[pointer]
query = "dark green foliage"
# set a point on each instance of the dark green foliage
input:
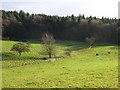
(21, 25)
(21, 47)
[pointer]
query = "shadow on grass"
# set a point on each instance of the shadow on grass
(103, 44)
(76, 48)
(73, 45)
(13, 56)
(8, 55)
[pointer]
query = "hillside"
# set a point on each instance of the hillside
(82, 70)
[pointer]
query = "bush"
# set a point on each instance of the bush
(68, 51)
(90, 41)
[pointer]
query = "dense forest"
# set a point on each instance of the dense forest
(23, 26)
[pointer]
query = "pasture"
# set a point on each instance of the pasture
(84, 69)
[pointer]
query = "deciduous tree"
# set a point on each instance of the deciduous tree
(48, 45)
(21, 47)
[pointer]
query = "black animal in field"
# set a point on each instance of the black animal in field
(44, 58)
(97, 54)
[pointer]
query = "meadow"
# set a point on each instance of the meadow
(82, 70)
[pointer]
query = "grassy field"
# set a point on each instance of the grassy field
(82, 70)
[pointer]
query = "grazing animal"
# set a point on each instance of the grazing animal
(97, 54)
(44, 58)
(108, 52)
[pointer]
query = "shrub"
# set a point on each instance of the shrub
(68, 51)
(90, 41)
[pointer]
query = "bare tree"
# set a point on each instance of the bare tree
(90, 41)
(48, 47)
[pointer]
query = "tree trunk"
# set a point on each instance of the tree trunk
(19, 53)
(50, 55)
(90, 45)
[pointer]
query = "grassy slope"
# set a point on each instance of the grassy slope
(83, 69)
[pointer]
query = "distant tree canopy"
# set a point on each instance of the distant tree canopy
(21, 25)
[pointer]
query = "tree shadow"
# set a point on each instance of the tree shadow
(73, 45)
(103, 44)
(76, 47)
(8, 55)
(13, 56)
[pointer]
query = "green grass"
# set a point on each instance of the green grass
(82, 70)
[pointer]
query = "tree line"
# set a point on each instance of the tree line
(23, 26)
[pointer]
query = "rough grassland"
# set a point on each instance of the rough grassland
(82, 70)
